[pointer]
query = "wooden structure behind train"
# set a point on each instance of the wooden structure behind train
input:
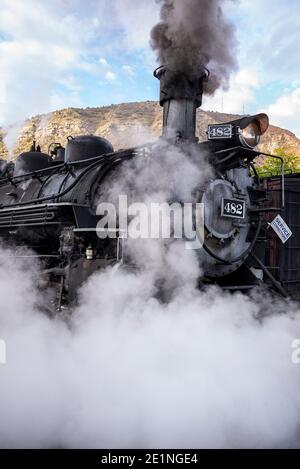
(47, 201)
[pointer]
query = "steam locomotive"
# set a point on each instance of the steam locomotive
(47, 201)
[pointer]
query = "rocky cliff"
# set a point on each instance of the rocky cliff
(125, 125)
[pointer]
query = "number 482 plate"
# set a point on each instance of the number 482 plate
(233, 208)
(219, 131)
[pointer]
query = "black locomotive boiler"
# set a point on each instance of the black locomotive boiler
(47, 202)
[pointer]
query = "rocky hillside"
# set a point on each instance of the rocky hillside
(124, 125)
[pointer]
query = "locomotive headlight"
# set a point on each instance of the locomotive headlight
(251, 129)
(250, 135)
(245, 132)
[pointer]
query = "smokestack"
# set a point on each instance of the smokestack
(180, 96)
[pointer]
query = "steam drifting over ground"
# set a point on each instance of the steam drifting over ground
(129, 371)
(203, 369)
(194, 34)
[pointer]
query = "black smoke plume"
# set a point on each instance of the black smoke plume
(193, 34)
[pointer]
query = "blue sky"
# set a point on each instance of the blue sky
(61, 53)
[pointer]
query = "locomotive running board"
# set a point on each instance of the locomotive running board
(41, 215)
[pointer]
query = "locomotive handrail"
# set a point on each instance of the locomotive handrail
(14, 179)
(53, 205)
(62, 194)
(252, 165)
(73, 163)
(276, 284)
(37, 256)
(258, 153)
(282, 174)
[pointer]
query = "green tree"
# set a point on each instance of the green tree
(271, 166)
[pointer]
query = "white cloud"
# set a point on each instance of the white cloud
(136, 19)
(106, 70)
(71, 83)
(128, 69)
(240, 93)
(285, 112)
(103, 62)
(269, 36)
(40, 48)
(110, 76)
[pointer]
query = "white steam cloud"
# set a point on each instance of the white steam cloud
(206, 369)
(135, 368)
